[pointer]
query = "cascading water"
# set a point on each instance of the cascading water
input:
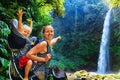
(103, 60)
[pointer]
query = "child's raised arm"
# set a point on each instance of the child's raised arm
(20, 25)
(31, 22)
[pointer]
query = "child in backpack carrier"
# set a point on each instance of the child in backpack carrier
(25, 31)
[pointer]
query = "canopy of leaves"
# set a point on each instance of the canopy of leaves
(112, 3)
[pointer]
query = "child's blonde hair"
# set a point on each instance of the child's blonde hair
(28, 28)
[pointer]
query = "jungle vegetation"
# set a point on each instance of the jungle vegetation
(79, 22)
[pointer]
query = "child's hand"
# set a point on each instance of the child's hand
(20, 13)
(29, 20)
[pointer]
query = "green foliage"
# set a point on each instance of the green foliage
(112, 3)
(51, 77)
(3, 78)
(40, 11)
(45, 10)
(58, 61)
(4, 62)
(8, 10)
(58, 7)
(78, 52)
(4, 31)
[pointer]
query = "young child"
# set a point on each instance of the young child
(19, 32)
(25, 31)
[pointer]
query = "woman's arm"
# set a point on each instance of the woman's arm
(54, 40)
(37, 49)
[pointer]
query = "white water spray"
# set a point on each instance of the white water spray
(103, 60)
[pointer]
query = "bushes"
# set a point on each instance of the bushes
(4, 58)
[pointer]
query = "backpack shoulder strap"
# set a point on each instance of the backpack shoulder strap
(48, 46)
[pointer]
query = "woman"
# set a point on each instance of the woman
(42, 49)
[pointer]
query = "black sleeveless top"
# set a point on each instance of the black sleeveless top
(48, 49)
(43, 66)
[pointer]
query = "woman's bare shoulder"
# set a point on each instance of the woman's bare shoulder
(42, 43)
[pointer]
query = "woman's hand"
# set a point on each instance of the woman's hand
(59, 37)
(48, 57)
(54, 40)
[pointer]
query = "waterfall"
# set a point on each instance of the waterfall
(103, 60)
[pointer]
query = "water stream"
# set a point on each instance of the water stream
(103, 60)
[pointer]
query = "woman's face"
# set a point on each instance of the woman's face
(48, 32)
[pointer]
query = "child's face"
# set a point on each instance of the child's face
(48, 33)
(26, 32)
